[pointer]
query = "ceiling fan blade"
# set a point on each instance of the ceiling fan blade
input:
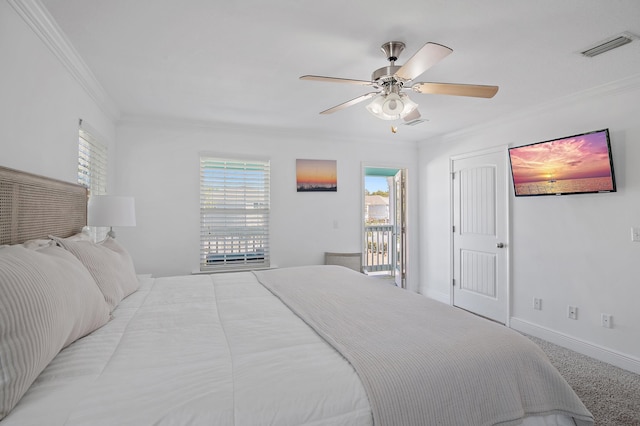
(429, 55)
(474, 90)
(336, 80)
(349, 103)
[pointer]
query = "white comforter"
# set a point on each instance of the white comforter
(214, 350)
(201, 350)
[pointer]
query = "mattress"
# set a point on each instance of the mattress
(202, 350)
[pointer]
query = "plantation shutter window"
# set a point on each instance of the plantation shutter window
(92, 164)
(92, 171)
(234, 213)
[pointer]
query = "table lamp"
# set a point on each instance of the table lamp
(111, 210)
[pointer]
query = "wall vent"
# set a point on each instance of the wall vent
(602, 47)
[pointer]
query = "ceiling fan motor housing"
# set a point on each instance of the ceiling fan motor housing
(384, 76)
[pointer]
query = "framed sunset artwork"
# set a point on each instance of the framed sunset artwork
(316, 175)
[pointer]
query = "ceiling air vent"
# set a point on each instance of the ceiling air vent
(414, 122)
(611, 44)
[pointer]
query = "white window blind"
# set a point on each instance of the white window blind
(92, 172)
(92, 164)
(234, 213)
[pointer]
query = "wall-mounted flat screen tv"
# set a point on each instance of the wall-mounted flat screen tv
(570, 165)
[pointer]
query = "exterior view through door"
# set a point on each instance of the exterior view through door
(384, 246)
(480, 233)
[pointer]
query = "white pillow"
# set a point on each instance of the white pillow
(48, 299)
(37, 244)
(109, 264)
(80, 236)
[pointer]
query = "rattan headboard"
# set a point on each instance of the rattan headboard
(33, 206)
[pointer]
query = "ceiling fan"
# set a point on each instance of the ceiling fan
(390, 102)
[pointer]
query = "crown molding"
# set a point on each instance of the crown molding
(45, 27)
(624, 85)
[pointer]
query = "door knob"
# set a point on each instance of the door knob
(500, 245)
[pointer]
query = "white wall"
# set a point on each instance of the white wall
(573, 249)
(40, 104)
(159, 165)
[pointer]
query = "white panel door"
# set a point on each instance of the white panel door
(480, 228)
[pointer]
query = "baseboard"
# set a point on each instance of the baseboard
(436, 295)
(609, 356)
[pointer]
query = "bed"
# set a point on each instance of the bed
(308, 345)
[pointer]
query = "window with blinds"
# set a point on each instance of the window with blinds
(92, 172)
(234, 213)
(92, 164)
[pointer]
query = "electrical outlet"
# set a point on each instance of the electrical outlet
(572, 312)
(635, 234)
(607, 321)
(537, 304)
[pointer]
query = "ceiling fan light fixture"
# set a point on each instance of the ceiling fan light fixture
(375, 107)
(391, 106)
(409, 105)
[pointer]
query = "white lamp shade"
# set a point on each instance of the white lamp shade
(111, 210)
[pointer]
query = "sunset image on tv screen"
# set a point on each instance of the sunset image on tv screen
(570, 165)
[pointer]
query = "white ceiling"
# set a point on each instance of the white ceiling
(239, 61)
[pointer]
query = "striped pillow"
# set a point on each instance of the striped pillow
(47, 300)
(109, 264)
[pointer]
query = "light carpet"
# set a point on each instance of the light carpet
(610, 393)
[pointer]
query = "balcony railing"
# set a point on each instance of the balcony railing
(380, 248)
